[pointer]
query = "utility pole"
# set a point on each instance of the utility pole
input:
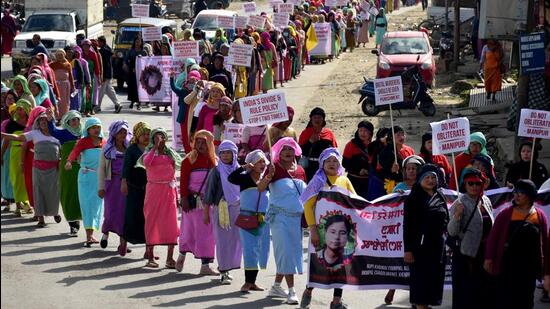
(523, 80)
(456, 56)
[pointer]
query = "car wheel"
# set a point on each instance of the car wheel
(369, 108)
(427, 108)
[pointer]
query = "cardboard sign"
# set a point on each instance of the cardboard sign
(287, 8)
(153, 77)
(532, 53)
(226, 22)
(186, 49)
(280, 19)
(264, 109)
(324, 38)
(534, 123)
(450, 136)
(151, 34)
(140, 10)
(330, 3)
(233, 132)
(240, 54)
(241, 22)
(256, 21)
(388, 90)
(249, 7)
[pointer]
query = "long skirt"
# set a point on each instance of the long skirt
(229, 252)
(134, 220)
(16, 177)
(286, 232)
(280, 74)
(426, 281)
(492, 80)
(471, 284)
(115, 203)
(132, 87)
(68, 185)
(95, 90)
(29, 157)
(287, 68)
(195, 236)
(372, 25)
(7, 40)
(255, 245)
(380, 32)
(45, 191)
(76, 101)
(64, 86)
(7, 188)
(91, 206)
(161, 216)
(363, 36)
(267, 80)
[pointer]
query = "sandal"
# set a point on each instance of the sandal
(34, 219)
(255, 287)
(41, 224)
(170, 264)
(246, 288)
(57, 219)
(122, 250)
(146, 256)
(152, 264)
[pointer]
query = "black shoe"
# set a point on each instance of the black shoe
(103, 243)
(118, 108)
(57, 218)
(138, 107)
(131, 105)
(73, 232)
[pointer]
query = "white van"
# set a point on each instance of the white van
(207, 21)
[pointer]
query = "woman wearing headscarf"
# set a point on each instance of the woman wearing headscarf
(48, 74)
(282, 129)
(477, 146)
(187, 35)
(485, 165)
(109, 182)
(7, 187)
(381, 24)
(20, 86)
(28, 155)
(282, 51)
(64, 79)
(516, 248)
(94, 65)
(364, 22)
(241, 81)
(357, 158)
(372, 26)
(270, 60)
(68, 135)
(133, 183)
(219, 74)
(129, 67)
(183, 109)
(196, 234)
(221, 117)
(41, 92)
(411, 167)
(290, 54)
(256, 68)
(219, 39)
(492, 63)
(424, 226)
(208, 110)
(314, 139)
(350, 31)
(223, 197)
(440, 160)
(253, 180)
(44, 167)
(9, 31)
(335, 34)
(284, 216)
(88, 149)
(83, 80)
(520, 170)
(471, 220)
(330, 173)
(160, 162)
(186, 69)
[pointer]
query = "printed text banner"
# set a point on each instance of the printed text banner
(450, 136)
(534, 123)
(388, 90)
(264, 109)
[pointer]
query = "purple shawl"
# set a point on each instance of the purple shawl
(320, 179)
(110, 146)
(231, 192)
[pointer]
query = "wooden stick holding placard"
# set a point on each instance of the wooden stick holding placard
(268, 136)
(393, 136)
(532, 157)
(454, 164)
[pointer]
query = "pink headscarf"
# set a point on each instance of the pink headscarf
(35, 112)
(266, 40)
(280, 144)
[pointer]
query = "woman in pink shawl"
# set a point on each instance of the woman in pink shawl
(48, 73)
(8, 32)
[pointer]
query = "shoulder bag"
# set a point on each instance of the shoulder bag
(195, 198)
(249, 222)
(453, 242)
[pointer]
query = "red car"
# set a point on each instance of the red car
(402, 49)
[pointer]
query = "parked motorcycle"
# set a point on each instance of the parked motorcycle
(446, 46)
(415, 95)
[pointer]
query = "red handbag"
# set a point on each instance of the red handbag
(249, 222)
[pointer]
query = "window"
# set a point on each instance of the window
(396, 46)
(206, 22)
(37, 23)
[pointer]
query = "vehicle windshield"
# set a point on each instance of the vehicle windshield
(127, 35)
(49, 22)
(206, 22)
(399, 46)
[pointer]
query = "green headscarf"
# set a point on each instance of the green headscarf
(25, 105)
(479, 138)
(70, 115)
(221, 37)
(167, 149)
(23, 82)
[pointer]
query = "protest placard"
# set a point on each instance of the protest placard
(330, 3)
(249, 7)
(264, 109)
(534, 123)
(233, 132)
(186, 49)
(287, 8)
(275, 3)
(373, 10)
(241, 22)
(323, 33)
(256, 21)
(151, 34)
(295, 2)
(226, 22)
(388, 90)
(153, 77)
(140, 10)
(450, 136)
(240, 54)
(532, 53)
(280, 19)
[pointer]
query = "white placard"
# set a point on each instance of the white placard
(274, 3)
(233, 132)
(140, 10)
(534, 123)
(323, 33)
(388, 90)
(226, 22)
(280, 19)
(241, 22)
(287, 8)
(256, 21)
(240, 54)
(330, 3)
(295, 2)
(153, 77)
(249, 7)
(186, 49)
(373, 10)
(151, 34)
(452, 135)
(264, 109)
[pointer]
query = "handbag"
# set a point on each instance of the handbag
(194, 200)
(454, 242)
(249, 222)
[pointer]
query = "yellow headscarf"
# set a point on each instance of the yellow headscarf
(217, 86)
(139, 129)
(193, 154)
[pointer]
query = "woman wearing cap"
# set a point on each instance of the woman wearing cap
(223, 197)
(109, 182)
(160, 162)
(253, 180)
(426, 153)
(196, 235)
(471, 219)
(330, 173)
(20, 85)
(516, 247)
(477, 146)
(520, 169)
(411, 167)
(314, 139)
(424, 226)
(357, 158)
(284, 216)
(88, 149)
(64, 79)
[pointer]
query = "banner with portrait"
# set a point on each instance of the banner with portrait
(153, 77)
(361, 242)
